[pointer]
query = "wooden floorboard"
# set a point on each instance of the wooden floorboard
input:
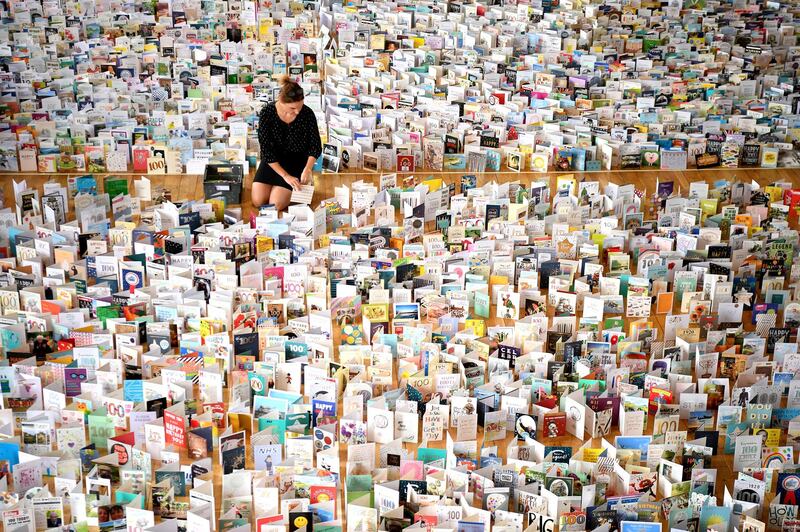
(190, 187)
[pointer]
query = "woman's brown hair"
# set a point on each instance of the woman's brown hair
(291, 92)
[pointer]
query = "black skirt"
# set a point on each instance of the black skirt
(292, 163)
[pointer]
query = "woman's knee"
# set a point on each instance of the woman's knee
(280, 197)
(281, 204)
(259, 196)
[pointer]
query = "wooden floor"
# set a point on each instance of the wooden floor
(190, 187)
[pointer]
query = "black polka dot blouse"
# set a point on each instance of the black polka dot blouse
(277, 138)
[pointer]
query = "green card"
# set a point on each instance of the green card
(116, 186)
(101, 428)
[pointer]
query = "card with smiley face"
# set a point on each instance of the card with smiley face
(300, 521)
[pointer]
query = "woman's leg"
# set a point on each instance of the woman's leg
(280, 197)
(259, 194)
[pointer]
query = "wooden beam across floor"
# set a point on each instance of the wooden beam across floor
(190, 187)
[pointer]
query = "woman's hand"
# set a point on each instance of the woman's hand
(292, 182)
(307, 176)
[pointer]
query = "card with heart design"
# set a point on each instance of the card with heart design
(651, 158)
(71, 439)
